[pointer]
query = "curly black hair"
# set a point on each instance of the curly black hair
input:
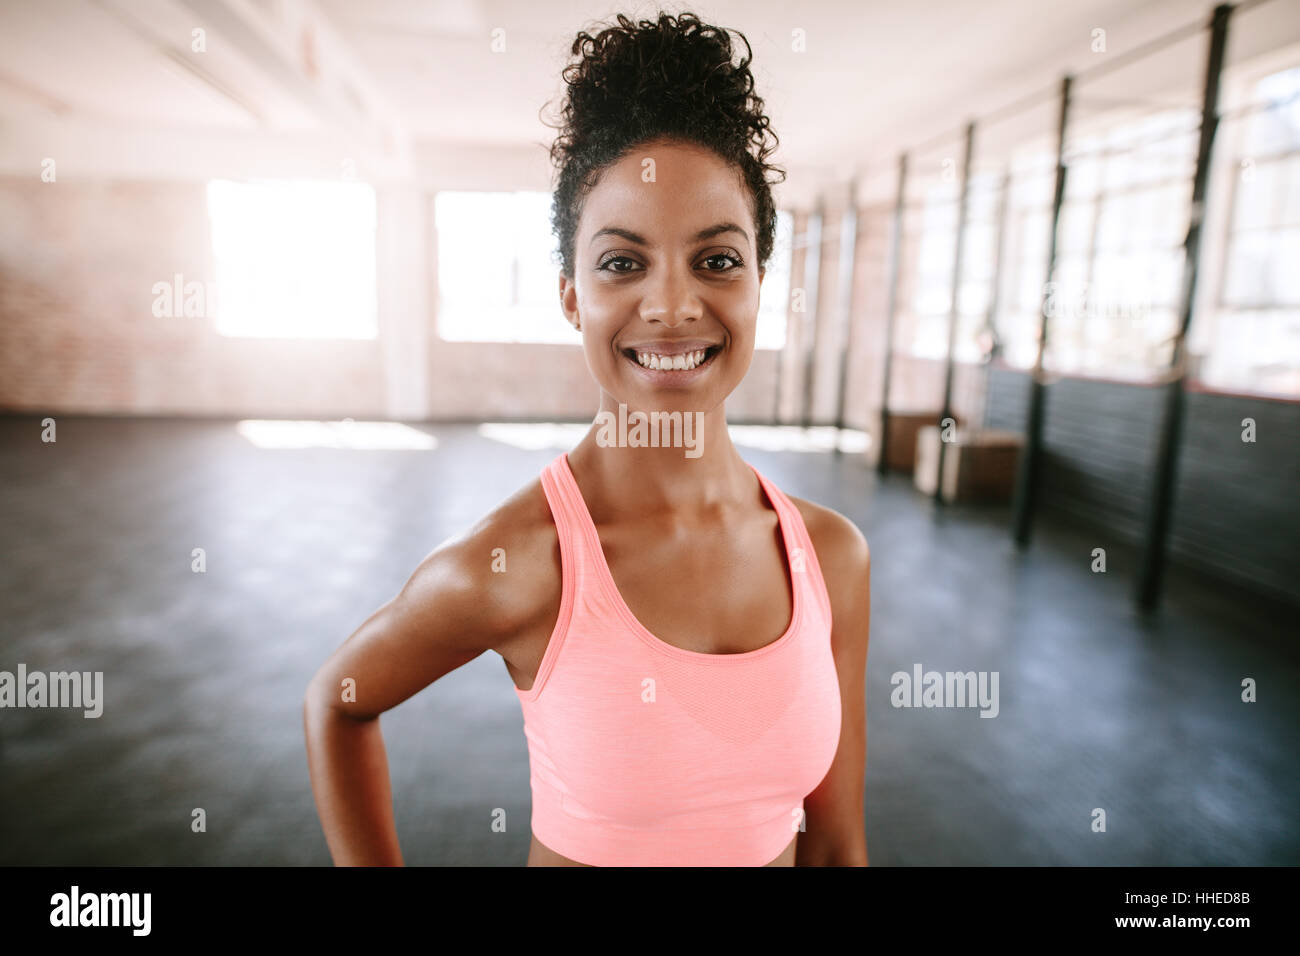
(674, 78)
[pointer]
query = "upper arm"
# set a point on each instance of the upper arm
(453, 607)
(835, 819)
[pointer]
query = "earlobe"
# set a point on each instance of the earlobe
(572, 319)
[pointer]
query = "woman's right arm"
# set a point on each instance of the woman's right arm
(441, 619)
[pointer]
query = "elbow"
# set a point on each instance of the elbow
(315, 700)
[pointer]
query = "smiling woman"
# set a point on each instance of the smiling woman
(687, 643)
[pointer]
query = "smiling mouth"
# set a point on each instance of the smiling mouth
(681, 362)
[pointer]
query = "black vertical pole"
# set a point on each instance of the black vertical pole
(1151, 576)
(848, 275)
(813, 315)
(891, 310)
(1031, 455)
(953, 312)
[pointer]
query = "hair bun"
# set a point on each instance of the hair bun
(639, 81)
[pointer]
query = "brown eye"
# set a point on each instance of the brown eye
(726, 256)
(605, 265)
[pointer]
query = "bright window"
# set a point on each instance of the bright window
(1023, 270)
(928, 259)
(774, 293)
(1254, 337)
(1113, 307)
(294, 259)
(498, 280)
(932, 292)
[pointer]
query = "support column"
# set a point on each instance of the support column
(405, 325)
(848, 283)
(1151, 575)
(891, 311)
(1031, 456)
(812, 324)
(954, 310)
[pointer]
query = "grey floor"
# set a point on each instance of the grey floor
(204, 673)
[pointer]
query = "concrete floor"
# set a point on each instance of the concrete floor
(204, 673)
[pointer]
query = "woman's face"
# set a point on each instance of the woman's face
(665, 286)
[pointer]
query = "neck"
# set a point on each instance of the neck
(695, 466)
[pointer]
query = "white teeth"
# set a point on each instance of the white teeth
(684, 361)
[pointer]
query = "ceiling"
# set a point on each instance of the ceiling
(874, 76)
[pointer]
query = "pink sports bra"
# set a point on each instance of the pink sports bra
(645, 754)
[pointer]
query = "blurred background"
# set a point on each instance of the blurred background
(278, 316)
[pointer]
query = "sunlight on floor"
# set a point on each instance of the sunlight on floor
(530, 436)
(796, 438)
(385, 436)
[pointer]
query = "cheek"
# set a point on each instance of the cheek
(741, 316)
(603, 306)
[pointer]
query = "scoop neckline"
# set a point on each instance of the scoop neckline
(610, 586)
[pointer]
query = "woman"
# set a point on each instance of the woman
(687, 643)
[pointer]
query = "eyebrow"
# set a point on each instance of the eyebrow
(709, 233)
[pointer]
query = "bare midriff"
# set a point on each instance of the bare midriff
(539, 854)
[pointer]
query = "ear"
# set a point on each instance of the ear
(569, 302)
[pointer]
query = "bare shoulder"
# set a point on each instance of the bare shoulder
(845, 562)
(842, 549)
(497, 577)
(475, 592)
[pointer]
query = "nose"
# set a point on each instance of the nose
(669, 299)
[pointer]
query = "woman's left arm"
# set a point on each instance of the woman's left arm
(834, 813)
